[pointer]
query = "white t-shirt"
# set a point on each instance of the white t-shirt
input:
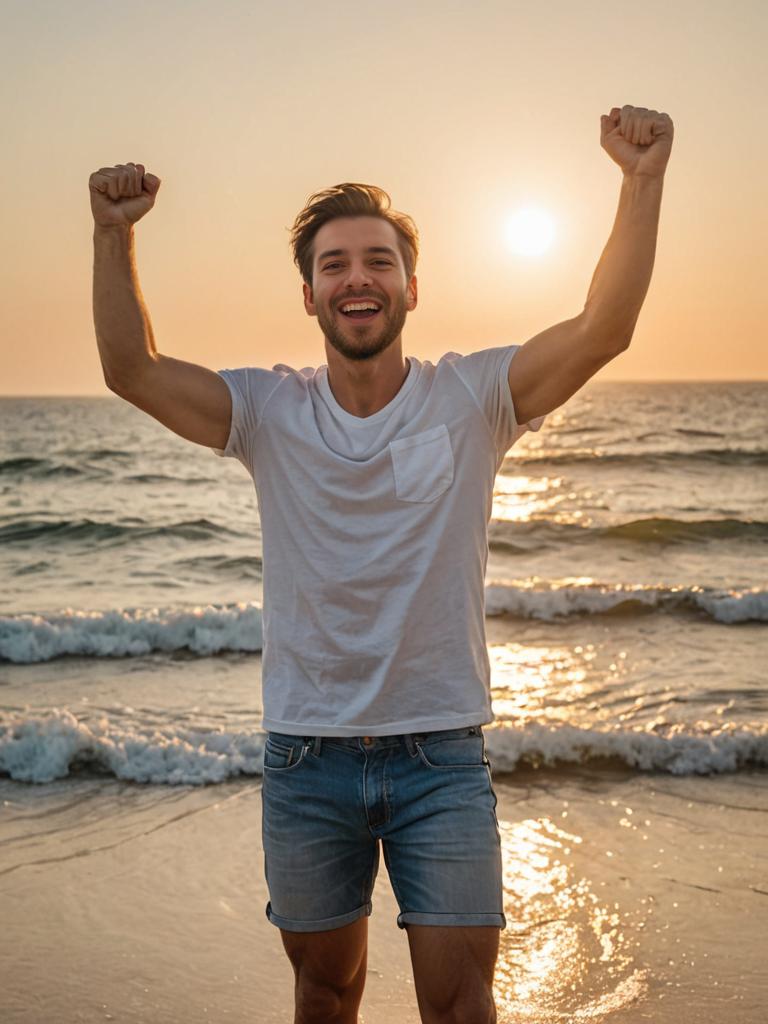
(375, 543)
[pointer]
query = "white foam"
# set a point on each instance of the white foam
(203, 630)
(552, 600)
(210, 629)
(43, 747)
(703, 749)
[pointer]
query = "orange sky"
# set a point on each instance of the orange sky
(463, 113)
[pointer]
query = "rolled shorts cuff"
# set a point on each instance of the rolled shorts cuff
(322, 925)
(460, 920)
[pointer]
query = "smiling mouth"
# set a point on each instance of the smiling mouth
(362, 317)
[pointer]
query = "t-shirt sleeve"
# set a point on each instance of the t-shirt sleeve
(250, 388)
(486, 374)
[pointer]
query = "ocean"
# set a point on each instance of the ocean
(626, 611)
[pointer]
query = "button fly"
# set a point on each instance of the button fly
(377, 783)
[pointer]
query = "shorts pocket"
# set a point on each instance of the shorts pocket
(280, 757)
(422, 464)
(449, 752)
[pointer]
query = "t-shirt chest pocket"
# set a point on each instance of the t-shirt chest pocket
(422, 464)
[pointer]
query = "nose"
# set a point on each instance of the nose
(359, 274)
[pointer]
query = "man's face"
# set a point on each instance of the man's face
(357, 273)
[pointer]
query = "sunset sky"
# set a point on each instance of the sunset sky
(465, 113)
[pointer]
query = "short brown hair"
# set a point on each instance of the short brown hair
(350, 199)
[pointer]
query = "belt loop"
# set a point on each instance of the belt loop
(410, 743)
(316, 744)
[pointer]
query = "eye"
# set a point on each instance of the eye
(329, 266)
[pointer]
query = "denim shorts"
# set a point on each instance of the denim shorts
(429, 798)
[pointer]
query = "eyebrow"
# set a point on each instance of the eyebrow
(371, 248)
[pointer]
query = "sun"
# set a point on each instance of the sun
(529, 232)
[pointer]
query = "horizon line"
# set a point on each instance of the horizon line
(649, 380)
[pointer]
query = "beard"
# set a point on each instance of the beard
(363, 341)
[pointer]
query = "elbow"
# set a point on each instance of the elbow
(112, 385)
(613, 338)
(620, 343)
(626, 334)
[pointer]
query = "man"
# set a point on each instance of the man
(374, 477)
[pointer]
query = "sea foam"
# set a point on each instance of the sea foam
(211, 629)
(43, 747)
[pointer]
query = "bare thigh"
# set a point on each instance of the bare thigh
(329, 962)
(453, 970)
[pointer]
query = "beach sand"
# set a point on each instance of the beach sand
(627, 899)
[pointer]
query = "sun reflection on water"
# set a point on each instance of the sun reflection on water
(563, 955)
(555, 683)
(520, 498)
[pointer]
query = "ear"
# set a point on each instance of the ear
(309, 304)
(412, 295)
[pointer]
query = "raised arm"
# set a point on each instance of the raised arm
(550, 367)
(192, 401)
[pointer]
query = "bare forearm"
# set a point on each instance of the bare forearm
(123, 329)
(621, 280)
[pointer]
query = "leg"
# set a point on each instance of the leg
(320, 863)
(453, 968)
(330, 969)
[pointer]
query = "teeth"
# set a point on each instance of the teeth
(358, 305)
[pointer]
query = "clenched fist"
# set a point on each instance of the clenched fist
(638, 139)
(122, 194)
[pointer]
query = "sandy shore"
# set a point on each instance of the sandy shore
(629, 898)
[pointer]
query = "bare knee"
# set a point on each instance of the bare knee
(316, 1006)
(320, 1003)
(479, 1008)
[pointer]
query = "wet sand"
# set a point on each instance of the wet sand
(629, 897)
